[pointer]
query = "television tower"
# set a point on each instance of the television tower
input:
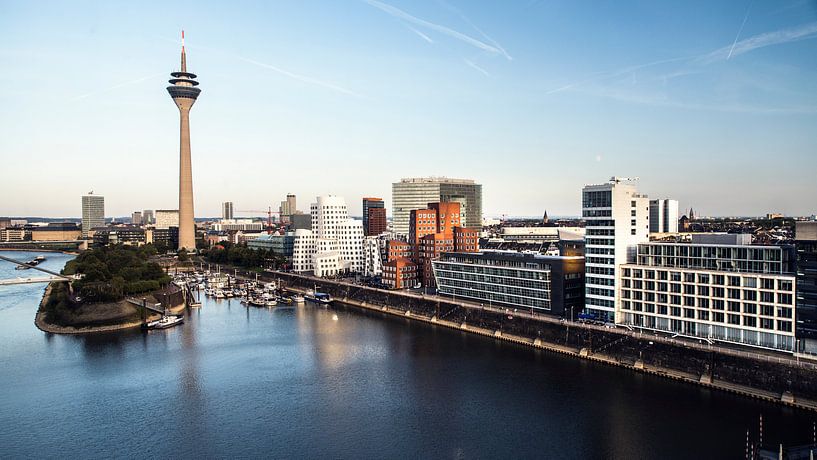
(184, 94)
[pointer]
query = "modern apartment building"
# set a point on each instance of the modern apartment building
(227, 210)
(664, 216)
(93, 212)
(416, 193)
(546, 284)
(617, 219)
(805, 241)
(335, 243)
(715, 288)
(136, 218)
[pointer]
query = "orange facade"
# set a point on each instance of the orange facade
(400, 273)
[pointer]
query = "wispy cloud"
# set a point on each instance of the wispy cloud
(420, 34)
(777, 37)
(302, 78)
(477, 68)
(400, 14)
(614, 73)
(116, 86)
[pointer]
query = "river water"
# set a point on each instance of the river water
(312, 382)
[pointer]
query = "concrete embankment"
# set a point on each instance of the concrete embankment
(774, 378)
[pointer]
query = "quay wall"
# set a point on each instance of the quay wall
(772, 377)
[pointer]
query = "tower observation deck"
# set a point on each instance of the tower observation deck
(184, 93)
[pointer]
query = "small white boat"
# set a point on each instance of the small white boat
(219, 294)
(165, 322)
(319, 297)
(270, 303)
(298, 298)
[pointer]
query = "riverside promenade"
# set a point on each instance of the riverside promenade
(775, 377)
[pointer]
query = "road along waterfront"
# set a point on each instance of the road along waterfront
(295, 382)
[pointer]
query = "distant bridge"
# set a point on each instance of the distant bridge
(44, 279)
(19, 280)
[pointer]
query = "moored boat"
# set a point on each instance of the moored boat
(165, 322)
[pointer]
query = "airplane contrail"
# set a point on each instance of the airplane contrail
(302, 78)
(398, 13)
(745, 17)
(116, 86)
(476, 67)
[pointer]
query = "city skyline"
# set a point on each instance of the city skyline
(700, 101)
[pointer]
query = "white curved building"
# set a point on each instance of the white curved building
(335, 243)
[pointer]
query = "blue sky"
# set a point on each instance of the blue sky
(712, 103)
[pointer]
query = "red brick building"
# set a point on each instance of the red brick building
(376, 223)
(396, 249)
(400, 273)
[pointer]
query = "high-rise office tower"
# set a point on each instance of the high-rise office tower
(372, 203)
(184, 94)
(805, 241)
(664, 216)
(417, 193)
(227, 210)
(93, 212)
(136, 218)
(617, 219)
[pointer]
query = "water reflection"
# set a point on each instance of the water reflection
(292, 382)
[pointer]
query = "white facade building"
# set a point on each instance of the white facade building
(246, 225)
(617, 219)
(664, 216)
(373, 261)
(335, 243)
(713, 290)
(166, 218)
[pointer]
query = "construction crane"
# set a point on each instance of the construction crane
(269, 212)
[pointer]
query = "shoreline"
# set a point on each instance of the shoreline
(746, 391)
(39, 321)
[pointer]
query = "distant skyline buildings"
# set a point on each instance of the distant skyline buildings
(93, 212)
(227, 210)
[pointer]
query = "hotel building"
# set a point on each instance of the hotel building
(617, 219)
(718, 287)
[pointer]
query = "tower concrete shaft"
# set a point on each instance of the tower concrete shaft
(184, 94)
